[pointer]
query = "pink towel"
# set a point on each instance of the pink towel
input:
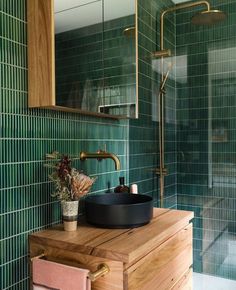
(55, 276)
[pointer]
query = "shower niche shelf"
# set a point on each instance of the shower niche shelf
(127, 108)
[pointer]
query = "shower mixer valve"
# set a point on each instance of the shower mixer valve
(164, 171)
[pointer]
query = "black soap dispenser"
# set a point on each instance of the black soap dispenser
(122, 188)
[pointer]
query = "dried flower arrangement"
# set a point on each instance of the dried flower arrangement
(70, 183)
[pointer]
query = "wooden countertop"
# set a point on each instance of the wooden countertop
(126, 245)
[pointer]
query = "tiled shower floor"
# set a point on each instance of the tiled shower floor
(206, 282)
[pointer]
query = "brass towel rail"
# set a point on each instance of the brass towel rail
(38, 257)
(102, 269)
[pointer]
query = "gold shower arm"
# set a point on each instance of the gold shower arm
(187, 5)
(175, 8)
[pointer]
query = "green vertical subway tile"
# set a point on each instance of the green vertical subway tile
(204, 101)
(26, 136)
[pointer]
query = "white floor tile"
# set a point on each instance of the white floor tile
(206, 282)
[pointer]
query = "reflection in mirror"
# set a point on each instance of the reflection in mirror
(79, 51)
(96, 56)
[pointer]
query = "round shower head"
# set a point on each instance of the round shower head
(208, 17)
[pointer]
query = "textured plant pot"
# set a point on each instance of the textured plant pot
(70, 215)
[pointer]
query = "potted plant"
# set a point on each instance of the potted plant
(70, 185)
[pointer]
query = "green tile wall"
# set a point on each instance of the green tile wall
(143, 133)
(26, 135)
(206, 163)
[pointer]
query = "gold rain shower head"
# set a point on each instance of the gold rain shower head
(209, 17)
(206, 17)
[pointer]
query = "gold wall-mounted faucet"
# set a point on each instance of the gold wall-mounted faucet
(99, 155)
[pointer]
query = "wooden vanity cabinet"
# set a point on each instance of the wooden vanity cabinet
(157, 256)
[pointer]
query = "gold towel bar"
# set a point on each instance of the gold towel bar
(102, 269)
(38, 257)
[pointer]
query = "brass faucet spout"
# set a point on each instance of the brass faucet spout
(101, 155)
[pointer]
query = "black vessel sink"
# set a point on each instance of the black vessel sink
(118, 210)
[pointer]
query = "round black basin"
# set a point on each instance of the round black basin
(118, 210)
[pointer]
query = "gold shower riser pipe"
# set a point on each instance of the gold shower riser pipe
(162, 169)
(175, 8)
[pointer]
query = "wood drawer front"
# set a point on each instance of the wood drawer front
(162, 268)
(185, 283)
(113, 280)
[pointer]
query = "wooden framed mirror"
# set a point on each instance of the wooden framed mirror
(82, 56)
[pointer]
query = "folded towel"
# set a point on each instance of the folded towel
(51, 275)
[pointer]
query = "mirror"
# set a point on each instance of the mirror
(95, 57)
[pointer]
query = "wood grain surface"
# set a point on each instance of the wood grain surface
(156, 256)
(41, 53)
(126, 245)
(162, 268)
